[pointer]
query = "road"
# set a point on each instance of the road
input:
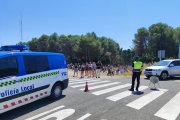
(108, 98)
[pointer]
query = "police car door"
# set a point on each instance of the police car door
(37, 80)
(10, 83)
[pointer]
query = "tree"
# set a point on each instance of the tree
(141, 41)
(54, 44)
(33, 44)
(161, 38)
(127, 56)
(177, 35)
(42, 43)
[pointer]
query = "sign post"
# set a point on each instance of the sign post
(161, 54)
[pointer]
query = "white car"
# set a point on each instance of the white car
(164, 69)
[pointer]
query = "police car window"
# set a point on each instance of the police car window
(56, 62)
(34, 64)
(8, 66)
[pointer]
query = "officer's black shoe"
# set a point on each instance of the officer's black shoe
(131, 89)
(137, 90)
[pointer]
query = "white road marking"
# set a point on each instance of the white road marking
(124, 94)
(59, 115)
(44, 113)
(94, 83)
(84, 117)
(89, 81)
(103, 85)
(111, 89)
(79, 80)
(146, 99)
(171, 110)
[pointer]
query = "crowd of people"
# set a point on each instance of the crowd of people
(90, 69)
(94, 69)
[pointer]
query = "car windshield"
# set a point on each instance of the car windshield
(162, 63)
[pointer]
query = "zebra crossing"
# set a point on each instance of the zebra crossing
(104, 91)
(124, 94)
(75, 86)
(169, 111)
(146, 99)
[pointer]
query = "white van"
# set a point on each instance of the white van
(28, 76)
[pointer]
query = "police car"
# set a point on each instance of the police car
(28, 76)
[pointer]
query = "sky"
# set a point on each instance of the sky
(116, 19)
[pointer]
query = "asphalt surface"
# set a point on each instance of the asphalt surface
(76, 104)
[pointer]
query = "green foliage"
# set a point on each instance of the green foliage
(177, 35)
(158, 36)
(84, 48)
(162, 39)
(140, 41)
(127, 56)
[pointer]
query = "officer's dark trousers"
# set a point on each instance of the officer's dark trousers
(134, 76)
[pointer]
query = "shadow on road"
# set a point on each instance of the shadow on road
(137, 92)
(20, 111)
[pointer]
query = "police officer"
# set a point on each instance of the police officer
(137, 65)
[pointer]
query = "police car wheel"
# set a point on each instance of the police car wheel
(56, 92)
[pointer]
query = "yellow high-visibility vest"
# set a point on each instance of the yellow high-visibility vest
(137, 64)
